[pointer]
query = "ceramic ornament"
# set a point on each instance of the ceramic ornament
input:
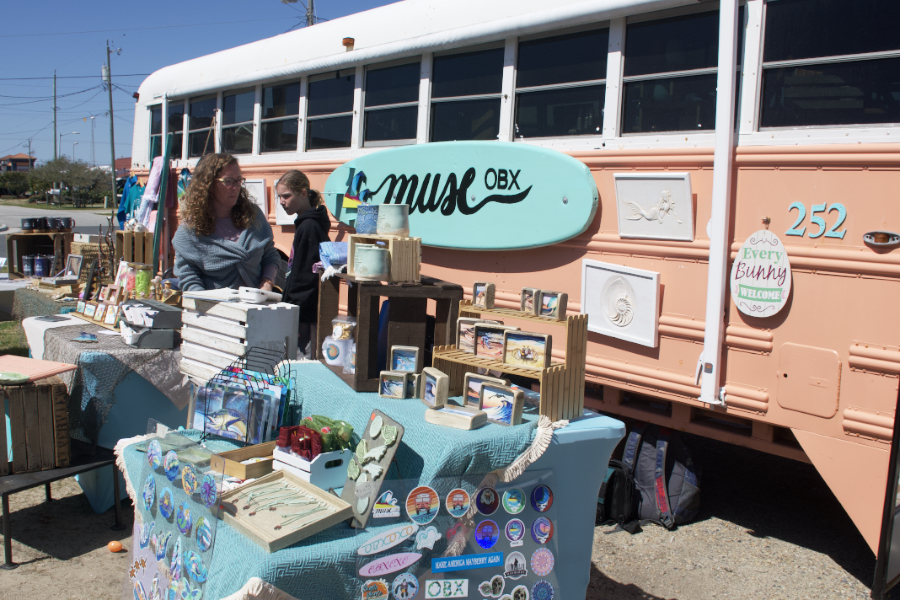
(375, 427)
(183, 519)
(194, 566)
(170, 464)
(166, 503)
(204, 534)
(149, 494)
(189, 479)
(145, 530)
(154, 454)
(208, 492)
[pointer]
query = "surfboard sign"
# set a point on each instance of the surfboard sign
(472, 195)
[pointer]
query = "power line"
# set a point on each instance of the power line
(70, 77)
(139, 28)
(49, 97)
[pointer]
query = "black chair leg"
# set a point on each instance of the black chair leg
(118, 526)
(47, 492)
(7, 536)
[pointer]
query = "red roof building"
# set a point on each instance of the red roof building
(123, 167)
(19, 162)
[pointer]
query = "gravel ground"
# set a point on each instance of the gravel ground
(769, 528)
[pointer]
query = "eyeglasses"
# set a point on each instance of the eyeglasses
(229, 182)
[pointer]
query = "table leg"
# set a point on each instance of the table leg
(7, 536)
(47, 492)
(118, 526)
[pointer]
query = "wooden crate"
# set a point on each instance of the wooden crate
(90, 252)
(406, 320)
(19, 245)
(229, 463)
(562, 384)
(134, 247)
(39, 425)
(406, 255)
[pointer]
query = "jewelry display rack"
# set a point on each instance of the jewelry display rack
(562, 384)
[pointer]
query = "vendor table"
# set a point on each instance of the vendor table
(85, 461)
(322, 566)
(33, 303)
(113, 393)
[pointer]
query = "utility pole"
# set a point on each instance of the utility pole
(310, 14)
(55, 151)
(93, 159)
(107, 77)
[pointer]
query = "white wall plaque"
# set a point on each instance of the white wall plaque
(621, 302)
(257, 190)
(761, 275)
(657, 206)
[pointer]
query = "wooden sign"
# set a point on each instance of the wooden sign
(761, 275)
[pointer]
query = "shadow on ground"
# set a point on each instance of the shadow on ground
(602, 587)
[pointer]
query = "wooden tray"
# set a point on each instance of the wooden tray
(261, 527)
(92, 321)
(230, 464)
(373, 491)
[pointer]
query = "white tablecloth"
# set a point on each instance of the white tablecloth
(35, 328)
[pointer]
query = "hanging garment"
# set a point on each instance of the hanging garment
(151, 192)
(123, 201)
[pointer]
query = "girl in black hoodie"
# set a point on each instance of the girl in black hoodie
(310, 229)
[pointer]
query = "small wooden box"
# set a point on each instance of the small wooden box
(39, 426)
(230, 463)
(261, 527)
(406, 256)
(435, 395)
(459, 417)
(327, 470)
(134, 247)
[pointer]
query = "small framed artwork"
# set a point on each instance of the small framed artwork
(553, 305)
(392, 384)
(472, 383)
(502, 404)
(435, 385)
(465, 333)
(112, 294)
(483, 295)
(489, 340)
(89, 309)
(79, 308)
(112, 315)
(413, 380)
(73, 266)
(405, 358)
(101, 293)
(100, 312)
(530, 300)
(529, 350)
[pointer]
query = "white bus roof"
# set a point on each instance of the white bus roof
(406, 28)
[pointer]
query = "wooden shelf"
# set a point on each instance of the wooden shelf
(92, 321)
(562, 384)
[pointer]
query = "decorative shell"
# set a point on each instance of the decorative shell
(361, 450)
(617, 299)
(390, 434)
(353, 469)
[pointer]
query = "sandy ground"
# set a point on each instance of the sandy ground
(769, 528)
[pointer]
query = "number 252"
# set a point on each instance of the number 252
(818, 208)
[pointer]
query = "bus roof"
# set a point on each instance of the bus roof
(398, 30)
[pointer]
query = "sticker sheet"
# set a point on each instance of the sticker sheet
(461, 538)
(176, 514)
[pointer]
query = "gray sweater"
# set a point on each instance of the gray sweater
(211, 262)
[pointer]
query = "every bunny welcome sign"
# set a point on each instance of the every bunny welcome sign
(761, 275)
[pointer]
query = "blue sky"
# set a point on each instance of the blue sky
(70, 37)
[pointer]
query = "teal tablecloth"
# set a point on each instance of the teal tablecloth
(324, 566)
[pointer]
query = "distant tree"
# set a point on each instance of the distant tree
(14, 182)
(79, 177)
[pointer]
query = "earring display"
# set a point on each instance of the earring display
(279, 509)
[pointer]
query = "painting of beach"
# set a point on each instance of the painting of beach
(403, 360)
(392, 388)
(526, 350)
(498, 404)
(489, 341)
(466, 337)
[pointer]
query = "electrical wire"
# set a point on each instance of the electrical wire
(72, 77)
(49, 98)
(140, 28)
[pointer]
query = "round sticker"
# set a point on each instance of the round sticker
(189, 479)
(541, 498)
(542, 590)
(376, 590)
(761, 275)
(405, 586)
(149, 492)
(542, 530)
(520, 592)
(422, 505)
(487, 501)
(166, 503)
(486, 534)
(542, 562)
(515, 531)
(183, 519)
(204, 534)
(154, 454)
(458, 502)
(514, 501)
(170, 464)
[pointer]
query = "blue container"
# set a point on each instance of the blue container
(41, 266)
(28, 265)
(366, 218)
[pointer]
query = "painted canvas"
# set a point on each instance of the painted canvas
(483, 295)
(404, 358)
(530, 350)
(430, 392)
(392, 385)
(503, 405)
(472, 387)
(553, 305)
(529, 299)
(231, 411)
(79, 308)
(465, 332)
(89, 309)
(112, 315)
(489, 340)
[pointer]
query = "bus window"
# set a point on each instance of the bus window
(465, 92)
(280, 113)
(237, 122)
(560, 85)
(839, 68)
(201, 137)
(392, 104)
(329, 110)
(687, 47)
(155, 131)
(176, 126)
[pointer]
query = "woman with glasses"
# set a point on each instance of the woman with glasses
(224, 240)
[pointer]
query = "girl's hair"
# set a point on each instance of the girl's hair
(297, 181)
(196, 209)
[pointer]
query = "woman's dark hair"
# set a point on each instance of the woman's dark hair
(196, 207)
(297, 181)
